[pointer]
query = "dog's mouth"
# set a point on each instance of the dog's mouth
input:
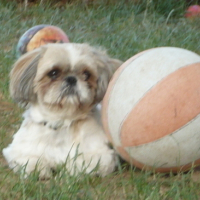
(69, 91)
(68, 96)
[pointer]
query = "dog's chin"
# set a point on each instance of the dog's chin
(75, 101)
(77, 97)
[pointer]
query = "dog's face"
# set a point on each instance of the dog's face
(62, 76)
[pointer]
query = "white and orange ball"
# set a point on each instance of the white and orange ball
(151, 111)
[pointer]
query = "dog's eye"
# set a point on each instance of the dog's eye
(86, 75)
(53, 74)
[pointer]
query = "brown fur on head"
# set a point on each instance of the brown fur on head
(73, 76)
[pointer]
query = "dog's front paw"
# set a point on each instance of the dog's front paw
(108, 163)
(26, 164)
(31, 166)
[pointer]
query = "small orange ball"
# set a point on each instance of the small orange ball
(193, 11)
(40, 35)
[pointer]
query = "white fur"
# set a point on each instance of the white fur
(37, 144)
(60, 127)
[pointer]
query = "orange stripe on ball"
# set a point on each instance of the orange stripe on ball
(168, 106)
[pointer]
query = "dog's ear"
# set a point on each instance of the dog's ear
(106, 68)
(22, 76)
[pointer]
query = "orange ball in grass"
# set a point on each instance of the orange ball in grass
(151, 110)
(193, 11)
(40, 35)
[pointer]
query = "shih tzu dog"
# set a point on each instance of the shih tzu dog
(61, 85)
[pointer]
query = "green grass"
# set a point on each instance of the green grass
(124, 29)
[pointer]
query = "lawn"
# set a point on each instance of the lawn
(124, 28)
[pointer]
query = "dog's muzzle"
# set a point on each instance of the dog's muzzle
(71, 83)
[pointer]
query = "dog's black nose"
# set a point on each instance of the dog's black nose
(71, 80)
